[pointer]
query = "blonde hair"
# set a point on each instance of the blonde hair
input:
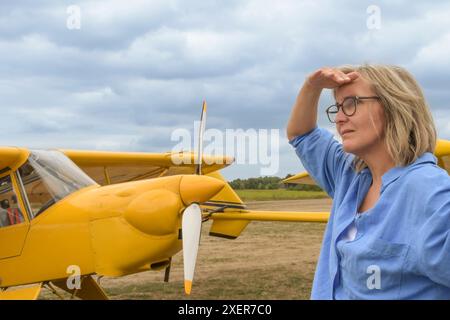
(409, 129)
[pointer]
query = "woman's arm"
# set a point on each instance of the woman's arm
(304, 112)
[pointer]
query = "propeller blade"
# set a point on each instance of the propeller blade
(200, 140)
(191, 229)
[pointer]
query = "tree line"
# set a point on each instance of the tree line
(270, 183)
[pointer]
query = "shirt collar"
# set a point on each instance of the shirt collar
(394, 173)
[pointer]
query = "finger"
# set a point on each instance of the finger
(340, 77)
(349, 77)
(343, 76)
(353, 75)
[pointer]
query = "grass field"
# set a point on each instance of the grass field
(279, 194)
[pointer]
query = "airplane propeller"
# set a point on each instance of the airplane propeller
(191, 223)
(192, 217)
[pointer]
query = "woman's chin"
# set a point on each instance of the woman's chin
(349, 147)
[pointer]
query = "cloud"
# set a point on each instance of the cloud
(138, 70)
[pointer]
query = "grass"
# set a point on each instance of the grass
(279, 194)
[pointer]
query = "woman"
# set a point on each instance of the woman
(388, 236)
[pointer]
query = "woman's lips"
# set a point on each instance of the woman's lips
(346, 133)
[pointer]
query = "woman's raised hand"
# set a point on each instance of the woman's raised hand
(329, 78)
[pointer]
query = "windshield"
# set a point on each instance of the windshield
(49, 176)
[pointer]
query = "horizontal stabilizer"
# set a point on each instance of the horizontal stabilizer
(230, 223)
(291, 216)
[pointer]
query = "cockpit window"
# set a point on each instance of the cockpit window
(10, 213)
(49, 176)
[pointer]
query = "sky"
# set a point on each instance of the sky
(127, 75)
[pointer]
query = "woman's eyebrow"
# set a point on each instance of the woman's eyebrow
(350, 96)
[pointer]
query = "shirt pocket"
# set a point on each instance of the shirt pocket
(374, 270)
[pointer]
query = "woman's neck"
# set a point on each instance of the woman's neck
(379, 162)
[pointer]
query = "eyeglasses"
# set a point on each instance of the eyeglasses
(348, 106)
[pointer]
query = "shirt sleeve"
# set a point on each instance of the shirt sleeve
(322, 156)
(433, 238)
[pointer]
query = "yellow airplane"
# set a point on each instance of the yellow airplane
(69, 214)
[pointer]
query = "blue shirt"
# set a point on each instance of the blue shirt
(402, 246)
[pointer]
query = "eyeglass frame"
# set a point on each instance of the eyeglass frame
(340, 105)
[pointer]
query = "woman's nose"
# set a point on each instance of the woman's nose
(340, 116)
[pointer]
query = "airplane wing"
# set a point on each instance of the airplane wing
(301, 178)
(107, 167)
(442, 153)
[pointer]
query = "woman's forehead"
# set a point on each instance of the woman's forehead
(358, 87)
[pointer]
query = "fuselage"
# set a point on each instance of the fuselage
(68, 222)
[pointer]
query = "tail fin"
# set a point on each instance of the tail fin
(226, 200)
(226, 197)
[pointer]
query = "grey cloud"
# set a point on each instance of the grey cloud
(136, 71)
